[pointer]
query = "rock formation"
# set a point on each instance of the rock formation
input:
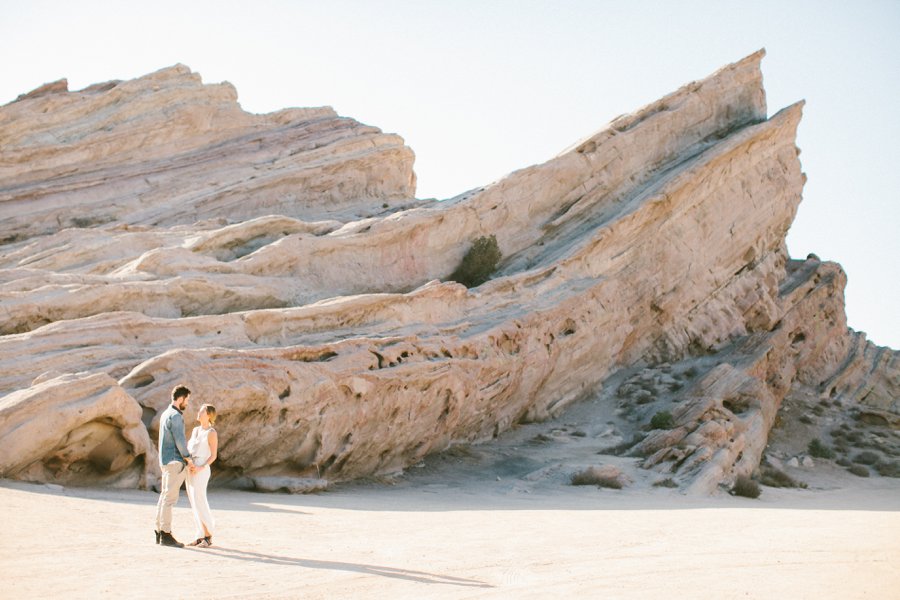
(154, 233)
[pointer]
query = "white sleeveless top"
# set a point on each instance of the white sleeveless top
(198, 446)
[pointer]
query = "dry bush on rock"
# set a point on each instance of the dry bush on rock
(773, 477)
(746, 487)
(866, 458)
(859, 470)
(888, 468)
(668, 482)
(599, 477)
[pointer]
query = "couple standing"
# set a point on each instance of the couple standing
(185, 462)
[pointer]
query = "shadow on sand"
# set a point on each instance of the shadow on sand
(381, 571)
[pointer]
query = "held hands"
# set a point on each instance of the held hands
(193, 468)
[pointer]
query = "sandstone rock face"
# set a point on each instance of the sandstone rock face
(165, 149)
(279, 266)
(75, 428)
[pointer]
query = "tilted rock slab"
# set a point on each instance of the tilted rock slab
(165, 149)
(332, 350)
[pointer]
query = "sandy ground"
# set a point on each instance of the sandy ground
(476, 538)
(497, 520)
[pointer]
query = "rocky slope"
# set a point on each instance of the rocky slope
(279, 265)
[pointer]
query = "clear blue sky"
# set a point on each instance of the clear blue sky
(480, 88)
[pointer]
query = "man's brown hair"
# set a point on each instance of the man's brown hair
(180, 392)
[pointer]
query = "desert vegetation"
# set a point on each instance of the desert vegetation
(479, 262)
(662, 420)
(746, 487)
(599, 476)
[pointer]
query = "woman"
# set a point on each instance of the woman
(203, 445)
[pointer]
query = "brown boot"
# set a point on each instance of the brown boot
(166, 539)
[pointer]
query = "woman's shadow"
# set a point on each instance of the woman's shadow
(406, 574)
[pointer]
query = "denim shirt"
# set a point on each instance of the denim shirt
(172, 446)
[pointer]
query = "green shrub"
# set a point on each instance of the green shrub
(844, 462)
(866, 458)
(859, 470)
(662, 420)
(746, 487)
(479, 262)
(819, 450)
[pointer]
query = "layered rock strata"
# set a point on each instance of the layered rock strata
(165, 149)
(309, 308)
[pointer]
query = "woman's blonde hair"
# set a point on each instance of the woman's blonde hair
(211, 412)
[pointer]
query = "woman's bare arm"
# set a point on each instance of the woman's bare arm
(213, 446)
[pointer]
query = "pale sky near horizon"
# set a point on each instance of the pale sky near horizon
(481, 88)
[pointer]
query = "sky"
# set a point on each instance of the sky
(481, 88)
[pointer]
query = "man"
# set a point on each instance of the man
(174, 462)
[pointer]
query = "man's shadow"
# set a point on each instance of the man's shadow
(408, 575)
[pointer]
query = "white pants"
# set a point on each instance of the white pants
(196, 490)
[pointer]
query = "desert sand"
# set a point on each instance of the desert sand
(445, 532)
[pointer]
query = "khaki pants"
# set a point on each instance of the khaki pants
(173, 475)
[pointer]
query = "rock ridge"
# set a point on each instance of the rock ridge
(165, 149)
(281, 265)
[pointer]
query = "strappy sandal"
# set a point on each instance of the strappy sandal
(198, 542)
(204, 543)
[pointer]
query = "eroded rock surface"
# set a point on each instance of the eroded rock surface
(165, 150)
(75, 428)
(279, 265)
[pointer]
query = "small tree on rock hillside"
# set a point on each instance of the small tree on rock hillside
(479, 262)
